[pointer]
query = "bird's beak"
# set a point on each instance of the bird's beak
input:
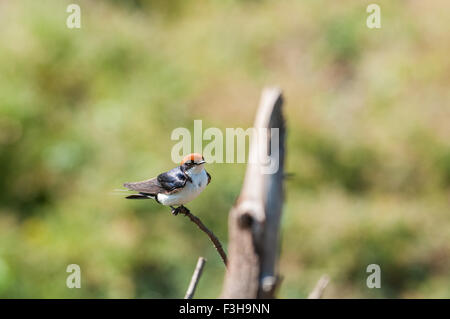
(201, 162)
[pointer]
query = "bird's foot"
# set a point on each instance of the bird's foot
(179, 209)
(174, 210)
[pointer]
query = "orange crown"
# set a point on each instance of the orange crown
(195, 157)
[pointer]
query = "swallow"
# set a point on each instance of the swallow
(175, 187)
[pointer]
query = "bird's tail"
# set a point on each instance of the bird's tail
(132, 196)
(137, 196)
(140, 196)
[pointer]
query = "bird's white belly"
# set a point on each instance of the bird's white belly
(190, 191)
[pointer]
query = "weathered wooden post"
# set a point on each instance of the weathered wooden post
(254, 220)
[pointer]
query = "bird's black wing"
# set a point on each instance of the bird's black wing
(173, 180)
(166, 183)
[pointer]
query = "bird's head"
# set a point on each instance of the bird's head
(193, 163)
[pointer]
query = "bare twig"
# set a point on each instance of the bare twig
(195, 278)
(210, 234)
(319, 288)
(255, 218)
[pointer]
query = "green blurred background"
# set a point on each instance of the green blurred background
(84, 110)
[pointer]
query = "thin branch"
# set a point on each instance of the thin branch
(210, 234)
(195, 278)
(319, 288)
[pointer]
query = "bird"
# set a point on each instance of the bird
(176, 187)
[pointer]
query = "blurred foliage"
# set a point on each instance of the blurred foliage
(84, 110)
